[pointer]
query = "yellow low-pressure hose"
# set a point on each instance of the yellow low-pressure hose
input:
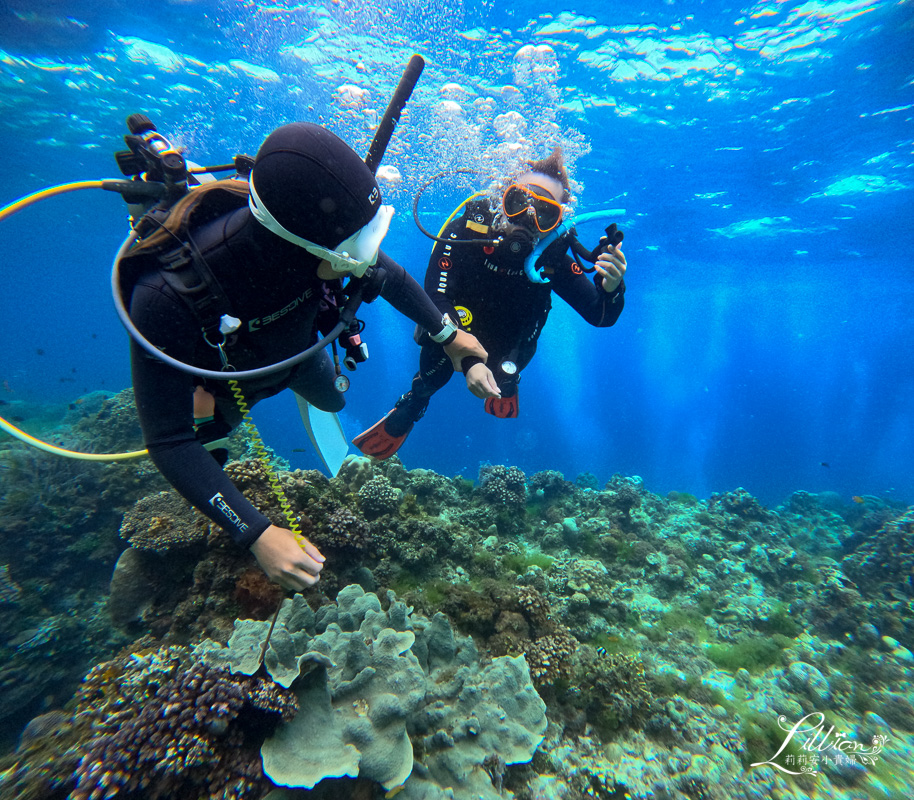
(12, 430)
(455, 212)
(261, 450)
(29, 199)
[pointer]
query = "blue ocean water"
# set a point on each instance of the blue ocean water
(762, 154)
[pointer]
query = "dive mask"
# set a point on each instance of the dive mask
(518, 198)
(354, 255)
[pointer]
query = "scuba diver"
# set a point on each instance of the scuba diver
(310, 215)
(489, 285)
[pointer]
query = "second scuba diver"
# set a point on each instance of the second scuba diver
(486, 288)
(314, 214)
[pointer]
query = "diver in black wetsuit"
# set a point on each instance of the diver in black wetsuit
(487, 290)
(314, 215)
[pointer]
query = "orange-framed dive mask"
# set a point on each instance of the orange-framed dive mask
(518, 197)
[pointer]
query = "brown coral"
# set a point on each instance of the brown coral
(161, 522)
(257, 596)
(550, 657)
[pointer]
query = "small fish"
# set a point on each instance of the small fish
(858, 499)
(39, 352)
(601, 651)
(299, 449)
(824, 464)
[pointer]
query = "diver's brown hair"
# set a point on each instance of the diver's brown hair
(553, 166)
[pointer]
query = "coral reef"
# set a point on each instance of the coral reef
(378, 496)
(155, 724)
(666, 635)
(391, 696)
(503, 487)
(163, 522)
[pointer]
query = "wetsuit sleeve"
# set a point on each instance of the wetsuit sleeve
(444, 272)
(586, 296)
(404, 293)
(164, 401)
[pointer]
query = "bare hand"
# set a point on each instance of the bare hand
(291, 565)
(464, 344)
(481, 381)
(611, 265)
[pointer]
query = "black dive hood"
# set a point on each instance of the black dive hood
(170, 187)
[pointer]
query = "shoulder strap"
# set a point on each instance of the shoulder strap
(184, 268)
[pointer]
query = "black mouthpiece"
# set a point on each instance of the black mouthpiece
(139, 124)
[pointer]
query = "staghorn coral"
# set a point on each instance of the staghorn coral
(378, 497)
(161, 522)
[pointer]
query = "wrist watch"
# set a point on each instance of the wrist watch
(447, 332)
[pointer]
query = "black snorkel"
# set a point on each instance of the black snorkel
(166, 182)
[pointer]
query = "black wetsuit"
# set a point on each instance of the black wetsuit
(488, 291)
(274, 290)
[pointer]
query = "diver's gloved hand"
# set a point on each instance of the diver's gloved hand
(481, 382)
(611, 265)
(284, 561)
(464, 344)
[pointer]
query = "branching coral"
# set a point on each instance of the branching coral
(550, 656)
(156, 725)
(503, 486)
(378, 497)
(347, 529)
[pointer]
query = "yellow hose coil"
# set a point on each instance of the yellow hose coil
(261, 451)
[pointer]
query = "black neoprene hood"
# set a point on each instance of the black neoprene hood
(314, 184)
